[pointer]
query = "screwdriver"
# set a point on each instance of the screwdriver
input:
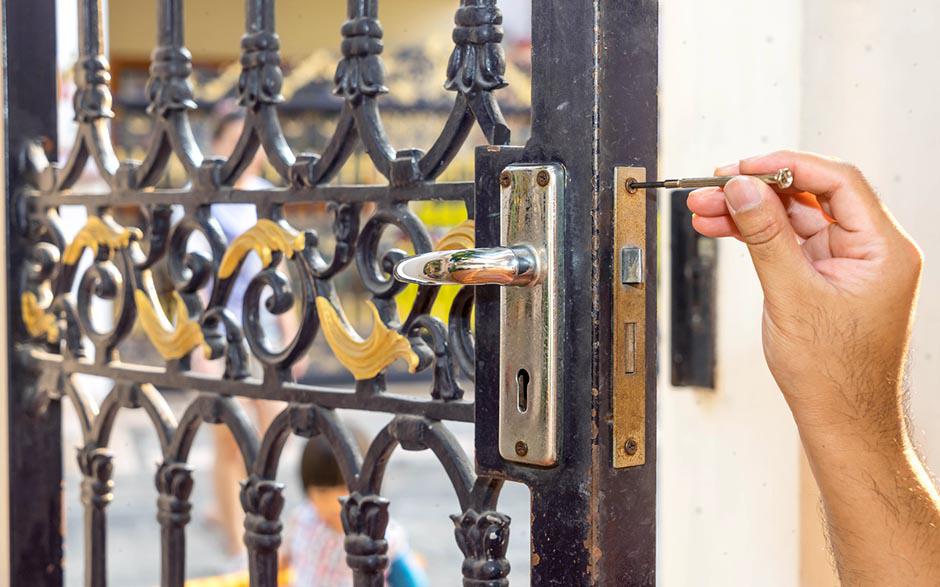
(783, 179)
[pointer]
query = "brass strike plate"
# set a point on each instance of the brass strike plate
(629, 320)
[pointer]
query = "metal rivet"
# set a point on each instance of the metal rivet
(628, 185)
(631, 446)
(543, 178)
(522, 449)
(505, 179)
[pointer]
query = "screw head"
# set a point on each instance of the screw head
(543, 178)
(631, 446)
(505, 179)
(522, 449)
(784, 178)
(628, 185)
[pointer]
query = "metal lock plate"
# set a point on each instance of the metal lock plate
(531, 317)
(629, 321)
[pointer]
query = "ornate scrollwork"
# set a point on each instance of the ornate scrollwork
(345, 231)
(477, 63)
(169, 89)
(483, 539)
(365, 519)
(174, 482)
(263, 502)
(261, 78)
(97, 468)
(192, 308)
(360, 72)
(92, 100)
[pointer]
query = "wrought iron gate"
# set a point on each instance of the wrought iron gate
(594, 108)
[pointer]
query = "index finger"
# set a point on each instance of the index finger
(852, 202)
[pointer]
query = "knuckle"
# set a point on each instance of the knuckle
(851, 171)
(764, 231)
(914, 255)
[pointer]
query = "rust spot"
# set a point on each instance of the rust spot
(535, 559)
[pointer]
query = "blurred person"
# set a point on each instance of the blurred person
(840, 280)
(236, 219)
(314, 549)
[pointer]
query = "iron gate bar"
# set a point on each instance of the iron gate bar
(594, 103)
(35, 450)
(363, 398)
(448, 191)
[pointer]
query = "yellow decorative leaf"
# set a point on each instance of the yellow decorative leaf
(364, 358)
(172, 342)
(263, 238)
(38, 322)
(98, 232)
(462, 236)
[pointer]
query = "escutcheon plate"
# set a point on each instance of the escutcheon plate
(531, 317)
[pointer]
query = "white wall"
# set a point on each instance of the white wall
(872, 96)
(858, 79)
(728, 460)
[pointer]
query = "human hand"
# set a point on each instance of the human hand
(840, 280)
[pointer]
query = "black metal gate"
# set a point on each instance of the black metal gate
(594, 109)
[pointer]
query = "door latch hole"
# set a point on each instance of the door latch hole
(522, 390)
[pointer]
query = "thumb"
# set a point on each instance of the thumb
(765, 227)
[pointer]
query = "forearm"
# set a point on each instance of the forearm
(881, 508)
(840, 280)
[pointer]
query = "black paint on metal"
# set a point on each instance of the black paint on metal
(35, 450)
(694, 261)
(594, 100)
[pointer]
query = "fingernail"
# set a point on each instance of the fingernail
(700, 191)
(755, 158)
(726, 169)
(742, 194)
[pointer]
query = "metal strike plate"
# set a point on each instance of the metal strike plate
(530, 201)
(629, 321)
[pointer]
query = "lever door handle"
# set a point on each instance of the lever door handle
(528, 317)
(509, 266)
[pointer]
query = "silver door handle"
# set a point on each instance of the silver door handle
(510, 266)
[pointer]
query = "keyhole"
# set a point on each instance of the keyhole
(522, 390)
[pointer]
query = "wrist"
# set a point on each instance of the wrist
(870, 419)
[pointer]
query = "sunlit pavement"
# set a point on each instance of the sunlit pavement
(421, 500)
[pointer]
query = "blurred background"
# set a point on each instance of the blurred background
(857, 79)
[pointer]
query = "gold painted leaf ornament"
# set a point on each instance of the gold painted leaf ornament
(38, 322)
(364, 358)
(462, 236)
(172, 342)
(264, 238)
(97, 233)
